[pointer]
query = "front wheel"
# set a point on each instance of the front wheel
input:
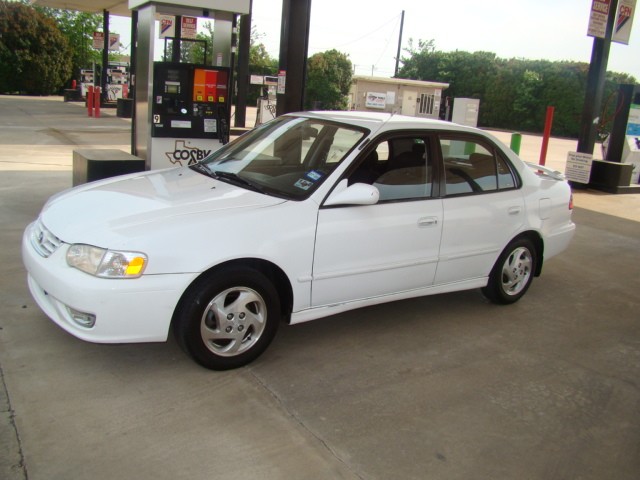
(513, 272)
(227, 318)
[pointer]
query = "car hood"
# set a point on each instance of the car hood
(88, 213)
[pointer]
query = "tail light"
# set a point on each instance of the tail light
(571, 202)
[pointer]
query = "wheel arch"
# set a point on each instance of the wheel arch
(273, 272)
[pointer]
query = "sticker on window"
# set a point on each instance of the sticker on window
(303, 184)
(314, 176)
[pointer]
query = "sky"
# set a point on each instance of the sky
(368, 31)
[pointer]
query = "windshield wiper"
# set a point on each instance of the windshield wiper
(236, 180)
(202, 168)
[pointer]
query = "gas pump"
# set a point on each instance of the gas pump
(117, 81)
(190, 112)
(86, 80)
(623, 145)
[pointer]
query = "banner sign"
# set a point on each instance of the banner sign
(189, 27)
(167, 26)
(114, 41)
(624, 21)
(598, 18)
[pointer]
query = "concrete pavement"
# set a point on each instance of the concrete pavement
(443, 387)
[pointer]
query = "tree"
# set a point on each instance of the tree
(515, 93)
(78, 28)
(329, 76)
(34, 55)
(260, 63)
(193, 51)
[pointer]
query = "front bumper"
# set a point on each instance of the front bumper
(126, 310)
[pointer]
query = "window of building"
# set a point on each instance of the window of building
(426, 104)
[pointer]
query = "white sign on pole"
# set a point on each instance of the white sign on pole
(189, 27)
(282, 82)
(624, 21)
(578, 168)
(167, 26)
(598, 18)
(98, 41)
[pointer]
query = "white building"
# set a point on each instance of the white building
(416, 98)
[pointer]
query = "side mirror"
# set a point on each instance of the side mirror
(356, 194)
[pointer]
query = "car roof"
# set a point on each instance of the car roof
(374, 120)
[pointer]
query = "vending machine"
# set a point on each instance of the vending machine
(190, 112)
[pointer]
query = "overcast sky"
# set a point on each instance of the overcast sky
(368, 30)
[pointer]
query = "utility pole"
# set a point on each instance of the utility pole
(399, 45)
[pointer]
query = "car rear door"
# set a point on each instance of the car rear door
(483, 207)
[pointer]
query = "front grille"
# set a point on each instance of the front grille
(44, 242)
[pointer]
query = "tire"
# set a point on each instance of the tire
(227, 318)
(513, 272)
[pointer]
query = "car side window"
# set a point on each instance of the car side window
(471, 167)
(400, 168)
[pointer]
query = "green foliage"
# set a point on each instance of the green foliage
(329, 77)
(193, 51)
(78, 28)
(260, 63)
(514, 93)
(35, 56)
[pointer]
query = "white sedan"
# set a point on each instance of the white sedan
(307, 216)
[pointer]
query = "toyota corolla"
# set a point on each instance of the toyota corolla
(309, 215)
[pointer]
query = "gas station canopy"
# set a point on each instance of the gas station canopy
(123, 7)
(114, 7)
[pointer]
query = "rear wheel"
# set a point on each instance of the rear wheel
(227, 318)
(513, 272)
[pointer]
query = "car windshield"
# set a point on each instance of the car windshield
(288, 157)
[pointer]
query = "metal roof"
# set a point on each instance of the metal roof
(400, 81)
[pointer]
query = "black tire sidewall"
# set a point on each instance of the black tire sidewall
(189, 315)
(494, 290)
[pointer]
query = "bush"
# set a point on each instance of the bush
(35, 57)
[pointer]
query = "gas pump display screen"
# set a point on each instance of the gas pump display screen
(209, 86)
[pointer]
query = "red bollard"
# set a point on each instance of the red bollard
(547, 133)
(90, 100)
(96, 102)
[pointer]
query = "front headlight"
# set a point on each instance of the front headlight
(106, 263)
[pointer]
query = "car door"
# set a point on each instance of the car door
(483, 207)
(390, 247)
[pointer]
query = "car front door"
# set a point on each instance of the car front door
(390, 247)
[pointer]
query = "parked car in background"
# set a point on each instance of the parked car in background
(309, 215)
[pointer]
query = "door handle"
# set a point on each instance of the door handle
(428, 222)
(515, 210)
